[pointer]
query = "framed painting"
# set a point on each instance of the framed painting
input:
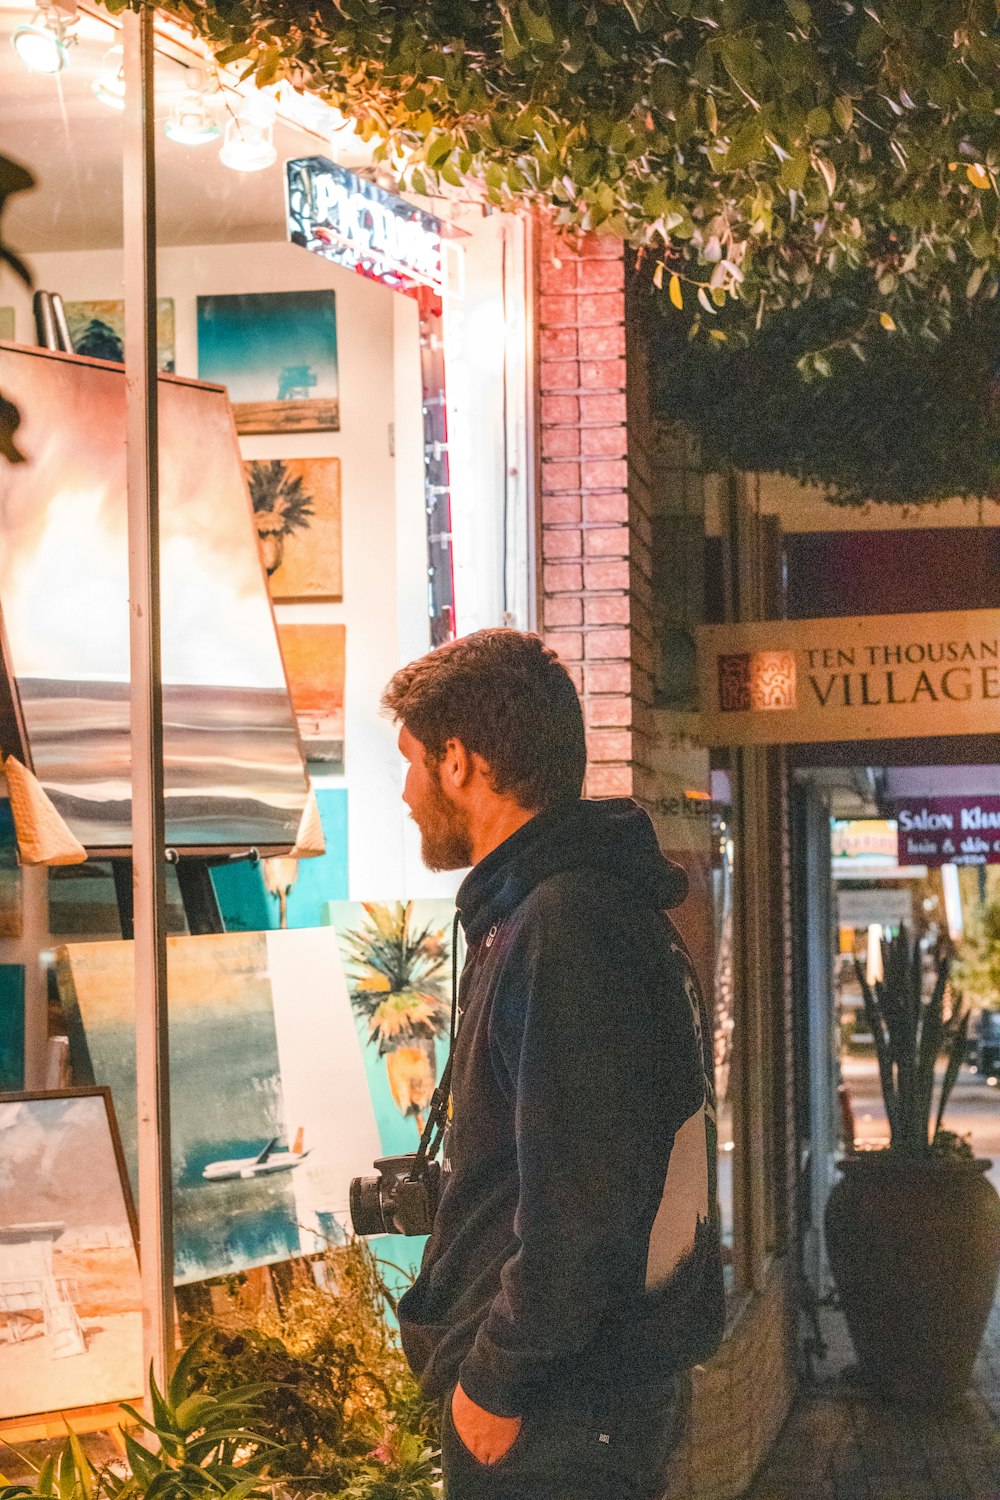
(10, 876)
(297, 512)
(232, 763)
(70, 1302)
(272, 1115)
(276, 352)
(97, 329)
(315, 665)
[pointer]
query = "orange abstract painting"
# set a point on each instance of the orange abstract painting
(315, 663)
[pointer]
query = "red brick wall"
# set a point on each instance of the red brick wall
(595, 532)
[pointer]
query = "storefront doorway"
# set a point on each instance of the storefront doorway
(863, 880)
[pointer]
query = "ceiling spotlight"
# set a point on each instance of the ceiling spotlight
(190, 123)
(43, 44)
(109, 86)
(249, 142)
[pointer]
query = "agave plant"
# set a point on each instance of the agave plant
(281, 505)
(199, 1447)
(398, 986)
(911, 1032)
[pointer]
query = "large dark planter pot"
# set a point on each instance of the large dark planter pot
(915, 1250)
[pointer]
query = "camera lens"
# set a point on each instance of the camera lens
(366, 1206)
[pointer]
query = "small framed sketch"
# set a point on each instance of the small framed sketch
(276, 352)
(70, 1302)
(297, 511)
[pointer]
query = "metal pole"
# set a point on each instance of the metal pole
(148, 840)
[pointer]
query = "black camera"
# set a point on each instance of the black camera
(402, 1199)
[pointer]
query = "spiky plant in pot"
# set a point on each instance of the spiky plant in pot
(911, 1032)
(913, 1232)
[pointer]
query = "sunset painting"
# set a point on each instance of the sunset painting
(315, 663)
(234, 773)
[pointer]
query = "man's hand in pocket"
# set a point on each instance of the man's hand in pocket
(486, 1436)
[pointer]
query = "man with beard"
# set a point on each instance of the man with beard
(573, 1272)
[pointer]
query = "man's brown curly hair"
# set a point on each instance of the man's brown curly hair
(507, 698)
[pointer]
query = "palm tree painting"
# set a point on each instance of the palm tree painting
(397, 974)
(281, 506)
(296, 509)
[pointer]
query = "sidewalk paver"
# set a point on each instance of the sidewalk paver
(841, 1442)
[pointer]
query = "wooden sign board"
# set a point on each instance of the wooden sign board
(881, 677)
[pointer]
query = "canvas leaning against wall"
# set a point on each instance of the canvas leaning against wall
(233, 770)
(297, 511)
(70, 1302)
(272, 1114)
(276, 352)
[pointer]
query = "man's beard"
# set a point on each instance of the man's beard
(445, 841)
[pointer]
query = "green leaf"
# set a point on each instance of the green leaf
(975, 281)
(843, 112)
(800, 11)
(233, 53)
(537, 23)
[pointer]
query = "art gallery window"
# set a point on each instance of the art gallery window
(345, 479)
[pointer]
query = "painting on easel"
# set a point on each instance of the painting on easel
(70, 1305)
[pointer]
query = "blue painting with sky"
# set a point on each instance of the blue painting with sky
(276, 352)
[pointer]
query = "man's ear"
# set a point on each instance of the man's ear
(457, 766)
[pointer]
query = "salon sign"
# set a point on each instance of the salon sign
(948, 830)
(877, 677)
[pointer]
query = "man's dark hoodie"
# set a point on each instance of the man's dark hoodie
(575, 1241)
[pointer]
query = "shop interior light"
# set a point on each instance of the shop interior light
(43, 44)
(110, 84)
(190, 123)
(249, 140)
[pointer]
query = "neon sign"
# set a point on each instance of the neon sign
(349, 220)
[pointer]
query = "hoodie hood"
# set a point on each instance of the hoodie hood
(611, 837)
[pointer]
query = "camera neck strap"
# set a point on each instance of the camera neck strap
(437, 1115)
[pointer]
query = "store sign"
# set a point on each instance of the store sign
(880, 677)
(349, 220)
(872, 840)
(949, 830)
(884, 907)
